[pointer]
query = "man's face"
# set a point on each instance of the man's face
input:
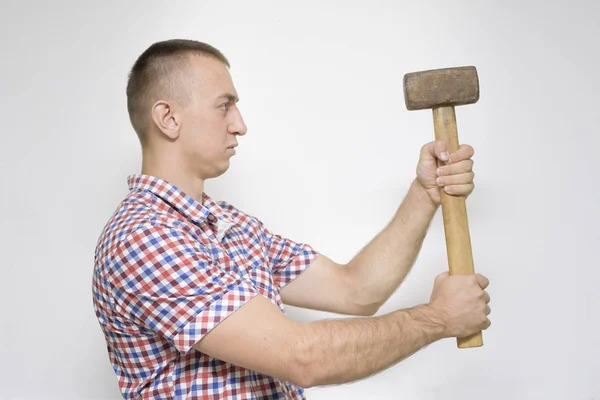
(211, 121)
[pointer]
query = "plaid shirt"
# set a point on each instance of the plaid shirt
(166, 271)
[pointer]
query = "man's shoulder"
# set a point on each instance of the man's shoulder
(137, 212)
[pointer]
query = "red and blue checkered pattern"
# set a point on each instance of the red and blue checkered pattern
(167, 270)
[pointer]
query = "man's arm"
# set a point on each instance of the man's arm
(369, 279)
(381, 266)
(259, 337)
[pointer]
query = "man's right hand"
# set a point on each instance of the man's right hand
(460, 304)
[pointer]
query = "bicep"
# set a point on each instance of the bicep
(258, 337)
(324, 286)
(307, 279)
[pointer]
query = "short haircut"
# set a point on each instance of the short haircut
(159, 73)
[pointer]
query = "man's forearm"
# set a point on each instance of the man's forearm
(382, 265)
(341, 351)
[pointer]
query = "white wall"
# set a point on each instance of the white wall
(329, 156)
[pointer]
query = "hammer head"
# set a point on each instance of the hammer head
(441, 87)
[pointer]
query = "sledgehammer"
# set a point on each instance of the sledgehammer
(442, 90)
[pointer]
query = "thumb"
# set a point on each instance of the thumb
(441, 277)
(433, 151)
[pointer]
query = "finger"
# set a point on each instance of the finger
(460, 190)
(486, 296)
(458, 179)
(482, 281)
(488, 310)
(464, 152)
(456, 168)
(488, 323)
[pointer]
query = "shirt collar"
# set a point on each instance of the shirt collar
(183, 203)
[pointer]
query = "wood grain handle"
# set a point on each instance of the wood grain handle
(454, 211)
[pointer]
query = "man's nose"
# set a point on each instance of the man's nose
(238, 126)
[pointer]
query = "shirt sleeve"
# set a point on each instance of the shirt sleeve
(288, 259)
(166, 282)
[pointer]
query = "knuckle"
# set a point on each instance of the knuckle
(482, 306)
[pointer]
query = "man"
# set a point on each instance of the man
(190, 293)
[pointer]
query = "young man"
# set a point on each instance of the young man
(190, 293)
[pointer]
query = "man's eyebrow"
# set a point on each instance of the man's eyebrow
(230, 97)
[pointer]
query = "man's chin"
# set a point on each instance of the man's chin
(219, 171)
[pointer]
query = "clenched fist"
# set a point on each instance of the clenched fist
(454, 176)
(460, 304)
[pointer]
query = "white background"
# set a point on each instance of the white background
(328, 157)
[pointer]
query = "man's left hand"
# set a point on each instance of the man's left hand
(454, 176)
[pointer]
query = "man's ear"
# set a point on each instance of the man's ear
(165, 119)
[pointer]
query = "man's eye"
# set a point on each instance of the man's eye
(225, 106)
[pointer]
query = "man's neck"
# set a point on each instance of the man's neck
(173, 173)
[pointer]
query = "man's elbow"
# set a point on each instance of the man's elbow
(361, 300)
(304, 379)
(368, 310)
(307, 370)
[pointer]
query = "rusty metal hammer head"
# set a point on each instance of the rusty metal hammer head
(441, 87)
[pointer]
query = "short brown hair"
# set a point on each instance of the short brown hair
(157, 73)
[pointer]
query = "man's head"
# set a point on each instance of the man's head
(182, 105)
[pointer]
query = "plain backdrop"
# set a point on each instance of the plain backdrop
(329, 155)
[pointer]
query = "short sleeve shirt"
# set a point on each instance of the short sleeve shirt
(167, 270)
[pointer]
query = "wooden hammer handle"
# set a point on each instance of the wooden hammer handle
(454, 211)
